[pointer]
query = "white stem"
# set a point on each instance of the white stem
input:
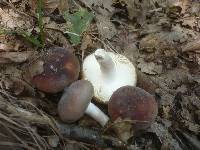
(94, 112)
(106, 63)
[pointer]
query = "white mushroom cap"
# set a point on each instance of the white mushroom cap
(108, 71)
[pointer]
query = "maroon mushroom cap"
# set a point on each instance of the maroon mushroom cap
(60, 68)
(75, 100)
(135, 104)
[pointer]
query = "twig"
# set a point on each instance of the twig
(89, 136)
(73, 132)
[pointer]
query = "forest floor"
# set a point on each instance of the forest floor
(160, 37)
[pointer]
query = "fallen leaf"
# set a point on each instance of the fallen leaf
(53, 140)
(9, 47)
(10, 19)
(86, 41)
(165, 137)
(195, 8)
(183, 4)
(80, 20)
(51, 5)
(17, 57)
(192, 46)
(106, 29)
(99, 3)
(36, 68)
(104, 11)
(149, 67)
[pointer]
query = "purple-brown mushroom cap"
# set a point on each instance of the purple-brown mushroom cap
(75, 101)
(60, 68)
(133, 103)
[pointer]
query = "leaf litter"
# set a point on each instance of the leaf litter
(161, 37)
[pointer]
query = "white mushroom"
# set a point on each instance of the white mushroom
(108, 71)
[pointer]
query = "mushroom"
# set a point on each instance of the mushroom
(132, 109)
(57, 69)
(76, 101)
(108, 71)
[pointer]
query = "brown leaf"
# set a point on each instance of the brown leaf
(36, 68)
(99, 3)
(165, 137)
(51, 5)
(105, 10)
(106, 28)
(17, 57)
(10, 19)
(85, 42)
(9, 47)
(192, 46)
(149, 68)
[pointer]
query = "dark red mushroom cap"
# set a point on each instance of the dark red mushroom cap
(75, 100)
(133, 103)
(60, 68)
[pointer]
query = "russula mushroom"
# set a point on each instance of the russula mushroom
(76, 101)
(108, 71)
(59, 68)
(135, 105)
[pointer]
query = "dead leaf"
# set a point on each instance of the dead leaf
(195, 8)
(9, 47)
(53, 140)
(183, 4)
(36, 68)
(192, 46)
(132, 10)
(86, 41)
(99, 3)
(165, 137)
(10, 19)
(189, 22)
(149, 67)
(15, 1)
(106, 29)
(193, 127)
(51, 5)
(17, 57)
(104, 11)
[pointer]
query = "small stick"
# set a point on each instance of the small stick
(86, 135)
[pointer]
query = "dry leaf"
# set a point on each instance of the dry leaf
(192, 46)
(9, 47)
(149, 67)
(86, 41)
(190, 21)
(104, 11)
(36, 68)
(132, 9)
(165, 137)
(10, 19)
(17, 57)
(99, 3)
(51, 5)
(106, 28)
(183, 4)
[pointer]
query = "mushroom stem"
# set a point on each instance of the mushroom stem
(106, 63)
(94, 112)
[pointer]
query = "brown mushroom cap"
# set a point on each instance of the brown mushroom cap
(75, 101)
(135, 104)
(60, 68)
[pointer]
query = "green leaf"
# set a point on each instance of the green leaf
(40, 14)
(31, 38)
(79, 23)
